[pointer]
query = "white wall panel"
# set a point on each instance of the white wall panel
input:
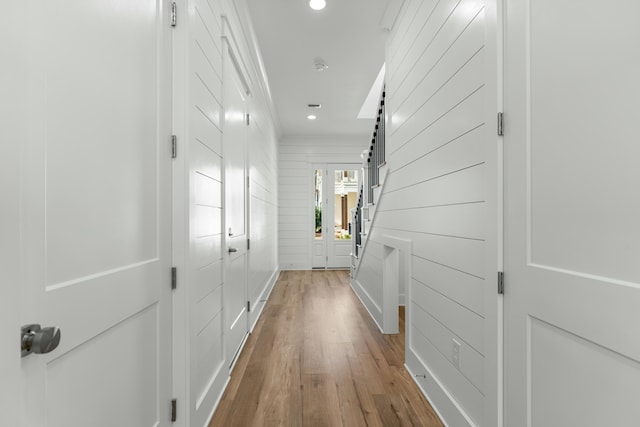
(415, 19)
(465, 117)
(462, 186)
(201, 371)
(412, 117)
(458, 319)
(471, 361)
(441, 194)
(465, 289)
(458, 388)
(296, 220)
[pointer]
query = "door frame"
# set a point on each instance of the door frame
(15, 293)
(327, 223)
(11, 387)
(312, 221)
(232, 58)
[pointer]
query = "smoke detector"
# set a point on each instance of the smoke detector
(319, 64)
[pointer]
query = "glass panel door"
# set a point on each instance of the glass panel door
(344, 197)
(318, 245)
(335, 193)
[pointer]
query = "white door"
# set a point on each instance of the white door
(343, 188)
(235, 187)
(336, 188)
(95, 212)
(572, 248)
(320, 225)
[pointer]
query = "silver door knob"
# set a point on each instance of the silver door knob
(34, 339)
(233, 250)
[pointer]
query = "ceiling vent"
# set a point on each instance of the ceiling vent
(314, 105)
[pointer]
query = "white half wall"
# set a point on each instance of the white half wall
(441, 194)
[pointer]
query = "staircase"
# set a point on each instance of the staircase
(373, 166)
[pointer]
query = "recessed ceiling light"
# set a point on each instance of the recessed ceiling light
(311, 117)
(317, 4)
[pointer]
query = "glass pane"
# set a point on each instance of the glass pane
(346, 198)
(318, 203)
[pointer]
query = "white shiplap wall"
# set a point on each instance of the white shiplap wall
(441, 194)
(200, 369)
(295, 219)
(263, 207)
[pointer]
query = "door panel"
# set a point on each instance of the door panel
(336, 189)
(320, 227)
(571, 232)
(72, 374)
(235, 155)
(95, 253)
(343, 188)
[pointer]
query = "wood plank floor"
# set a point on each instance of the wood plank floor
(316, 358)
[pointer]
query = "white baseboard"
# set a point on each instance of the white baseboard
(442, 402)
(217, 402)
(264, 296)
(369, 304)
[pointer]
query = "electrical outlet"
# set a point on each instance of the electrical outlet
(455, 352)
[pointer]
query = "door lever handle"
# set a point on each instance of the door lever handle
(34, 339)
(233, 250)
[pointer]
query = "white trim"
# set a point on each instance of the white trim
(180, 225)
(235, 55)
(216, 403)
(264, 296)
(255, 57)
(367, 302)
(390, 287)
(442, 402)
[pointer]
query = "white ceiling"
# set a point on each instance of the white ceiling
(347, 34)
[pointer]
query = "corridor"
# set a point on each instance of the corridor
(316, 358)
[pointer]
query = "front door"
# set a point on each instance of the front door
(572, 248)
(235, 185)
(95, 206)
(335, 193)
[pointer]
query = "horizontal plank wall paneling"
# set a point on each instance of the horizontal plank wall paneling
(203, 275)
(263, 208)
(441, 194)
(200, 369)
(295, 178)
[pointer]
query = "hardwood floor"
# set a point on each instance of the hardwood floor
(316, 358)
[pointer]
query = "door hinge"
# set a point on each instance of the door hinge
(500, 283)
(500, 124)
(174, 14)
(174, 146)
(174, 277)
(174, 410)
(248, 116)
(249, 306)
(248, 244)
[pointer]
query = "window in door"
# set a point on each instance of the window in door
(345, 199)
(318, 203)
